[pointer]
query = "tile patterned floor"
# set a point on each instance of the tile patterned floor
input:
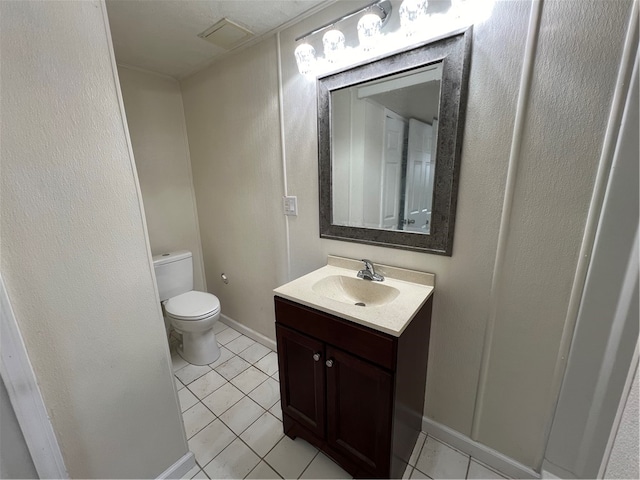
(232, 417)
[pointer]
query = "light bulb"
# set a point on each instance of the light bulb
(413, 13)
(333, 42)
(305, 58)
(369, 30)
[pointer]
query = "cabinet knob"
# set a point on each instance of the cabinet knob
(329, 363)
(316, 357)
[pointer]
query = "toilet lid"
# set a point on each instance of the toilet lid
(192, 305)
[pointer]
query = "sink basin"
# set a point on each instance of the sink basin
(335, 289)
(355, 291)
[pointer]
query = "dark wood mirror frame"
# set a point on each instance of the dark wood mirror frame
(454, 50)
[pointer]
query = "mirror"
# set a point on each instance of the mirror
(383, 134)
(389, 138)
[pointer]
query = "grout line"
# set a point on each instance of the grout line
(253, 468)
(252, 450)
(270, 466)
(416, 468)
(411, 468)
(237, 436)
(497, 472)
(257, 454)
(448, 445)
(262, 458)
(271, 450)
(420, 449)
(309, 464)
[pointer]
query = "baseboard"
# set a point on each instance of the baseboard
(180, 468)
(486, 455)
(252, 334)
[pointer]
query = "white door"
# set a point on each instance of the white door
(394, 132)
(418, 197)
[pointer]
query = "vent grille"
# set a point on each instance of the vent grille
(226, 34)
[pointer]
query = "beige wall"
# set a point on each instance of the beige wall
(574, 73)
(155, 116)
(623, 459)
(75, 259)
(231, 110)
(463, 281)
(576, 65)
(606, 330)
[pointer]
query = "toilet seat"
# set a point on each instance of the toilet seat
(192, 306)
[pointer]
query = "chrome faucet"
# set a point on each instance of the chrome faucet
(368, 273)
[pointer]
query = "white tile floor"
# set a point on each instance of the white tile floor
(232, 417)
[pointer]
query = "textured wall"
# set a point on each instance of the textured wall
(623, 462)
(574, 73)
(575, 69)
(461, 302)
(563, 134)
(231, 110)
(606, 331)
(74, 255)
(155, 117)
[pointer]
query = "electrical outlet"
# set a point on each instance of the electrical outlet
(291, 205)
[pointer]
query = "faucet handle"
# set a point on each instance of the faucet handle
(369, 272)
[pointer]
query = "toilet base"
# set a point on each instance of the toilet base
(199, 348)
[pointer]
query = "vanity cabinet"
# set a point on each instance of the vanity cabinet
(352, 391)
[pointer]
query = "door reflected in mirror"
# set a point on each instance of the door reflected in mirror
(384, 151)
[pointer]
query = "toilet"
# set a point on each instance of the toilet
(192, 313)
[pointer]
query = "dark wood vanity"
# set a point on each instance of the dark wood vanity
(354, 392)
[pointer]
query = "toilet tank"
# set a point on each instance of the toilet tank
(174, 273)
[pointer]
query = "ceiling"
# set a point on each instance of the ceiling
(161, 35)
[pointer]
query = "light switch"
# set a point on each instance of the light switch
(291, 205)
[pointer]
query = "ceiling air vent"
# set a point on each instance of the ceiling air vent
(226, 34)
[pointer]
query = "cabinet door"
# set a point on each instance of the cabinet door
(359, 400)
(302, 376)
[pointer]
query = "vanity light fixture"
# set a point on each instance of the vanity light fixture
(369, 27)
(413, 14)
(334, 40)
(416, 25)
(305, 58)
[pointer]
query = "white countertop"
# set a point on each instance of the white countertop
(414, 290)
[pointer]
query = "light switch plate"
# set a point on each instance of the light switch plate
(290, 205)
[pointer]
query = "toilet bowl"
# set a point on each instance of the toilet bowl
(191, 313)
